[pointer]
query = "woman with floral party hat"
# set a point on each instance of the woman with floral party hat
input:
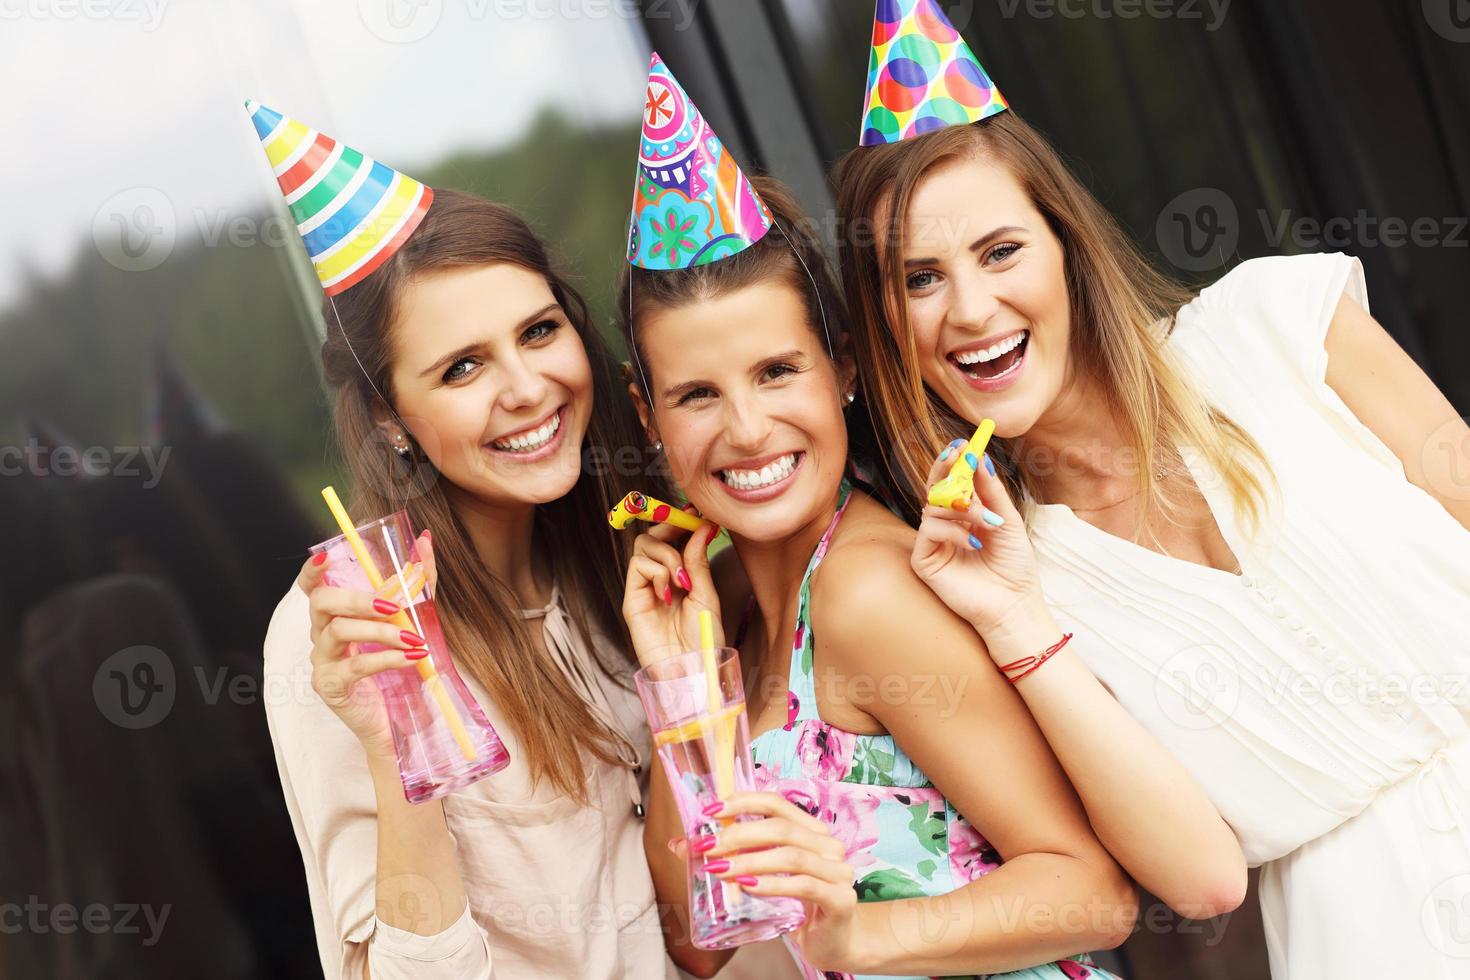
(1245, 509)
(926, 835)
(465, 372)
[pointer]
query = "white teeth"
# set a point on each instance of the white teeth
(773, 472)
(982, 356)
(529, 441)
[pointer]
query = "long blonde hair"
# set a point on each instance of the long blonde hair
(479, 613)
(1118, 299)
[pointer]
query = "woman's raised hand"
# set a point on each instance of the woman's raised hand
(342, 618)
(668, 586)
(979, 561)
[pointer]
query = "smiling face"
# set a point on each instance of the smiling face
(987, 295)
(749, 408)
(493, 381)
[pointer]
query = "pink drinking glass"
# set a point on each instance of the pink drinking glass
(441, 735)
(705, 749)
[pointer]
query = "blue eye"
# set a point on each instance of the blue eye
(1002, 252)
(922, 280)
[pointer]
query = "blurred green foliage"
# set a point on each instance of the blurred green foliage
(76, 351)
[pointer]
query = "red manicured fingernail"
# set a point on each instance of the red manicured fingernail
(385, 608)
(701, 844)
(717, 867)
(412, 638)
(319, 558)
(713, 808)
(668, 596)
(682, 577)
(416, 654)
(747, 881)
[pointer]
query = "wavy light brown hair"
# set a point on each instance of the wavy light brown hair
(1119, 302)
(479, 613)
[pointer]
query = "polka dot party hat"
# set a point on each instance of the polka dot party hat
(352, 212)
(692, 204)
(922, 76)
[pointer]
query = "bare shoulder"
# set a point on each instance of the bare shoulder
(866, 591)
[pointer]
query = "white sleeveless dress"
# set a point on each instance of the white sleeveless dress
(1320, 697)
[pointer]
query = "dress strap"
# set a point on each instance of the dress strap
(802, 691)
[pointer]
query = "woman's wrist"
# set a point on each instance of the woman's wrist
(1024, 626)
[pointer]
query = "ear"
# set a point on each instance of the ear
(387, 423)
(846, 373)
(645, 414)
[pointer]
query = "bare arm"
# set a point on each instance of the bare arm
(1394, 398)
(1143, 804)
(921, 672)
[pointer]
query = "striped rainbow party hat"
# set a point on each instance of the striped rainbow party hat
(692, 204)
(922, 76)
(352, 212)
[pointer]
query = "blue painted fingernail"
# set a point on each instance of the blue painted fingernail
(991, 517)
(989, 466)
(944, 456)
(972, 462)
(957, 444)
(975, 543)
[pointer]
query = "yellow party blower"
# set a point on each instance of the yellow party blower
(637, 507)
(957, 491)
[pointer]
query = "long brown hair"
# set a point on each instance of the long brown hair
(1118, 300)
(480, 615)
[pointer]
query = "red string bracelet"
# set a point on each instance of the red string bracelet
(1033, 662)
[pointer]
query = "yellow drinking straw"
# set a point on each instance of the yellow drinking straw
(957, 490)
(427, 673)
(636, 506)
(724, 724)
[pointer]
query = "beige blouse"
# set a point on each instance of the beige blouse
(554, 889)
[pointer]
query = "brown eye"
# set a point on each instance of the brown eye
(539, 331)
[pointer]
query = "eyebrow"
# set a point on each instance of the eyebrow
(455, 355)
(975, 246)
(673, 395)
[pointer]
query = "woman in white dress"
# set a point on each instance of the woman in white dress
(1278, 595)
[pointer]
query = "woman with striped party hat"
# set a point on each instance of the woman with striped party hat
(465, 374)
(911, 859)
(1245, 506)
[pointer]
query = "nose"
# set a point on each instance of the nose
(972, 303)
(522, 386)
(746, 424)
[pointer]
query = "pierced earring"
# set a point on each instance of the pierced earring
(402, 447)
(658, 446)
(849, 398)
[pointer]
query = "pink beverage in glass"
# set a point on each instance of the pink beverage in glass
(442, 737)
(703, 739)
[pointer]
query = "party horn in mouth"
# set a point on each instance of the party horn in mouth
(957, 490)
(637, 506)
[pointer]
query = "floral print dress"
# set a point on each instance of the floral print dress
(902, 837)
